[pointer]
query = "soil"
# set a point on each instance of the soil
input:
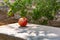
(6, 20)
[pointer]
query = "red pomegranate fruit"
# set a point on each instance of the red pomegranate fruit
(22, 22)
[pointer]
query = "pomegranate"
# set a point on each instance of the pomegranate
(22, 22)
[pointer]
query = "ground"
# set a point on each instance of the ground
(7, 21)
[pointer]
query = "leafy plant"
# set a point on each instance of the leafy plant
(37, 8)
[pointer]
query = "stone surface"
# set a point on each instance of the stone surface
(7, 37)
(31, 32)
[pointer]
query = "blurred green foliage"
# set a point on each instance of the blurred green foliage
(35, 8)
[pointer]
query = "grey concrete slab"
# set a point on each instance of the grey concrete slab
(31, 32)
